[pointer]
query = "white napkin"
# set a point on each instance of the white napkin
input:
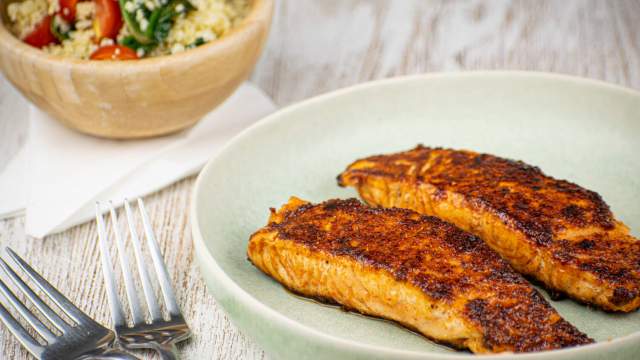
(13, 192)
(14, 117)
(66, 172)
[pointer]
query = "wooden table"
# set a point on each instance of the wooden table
(318, 46)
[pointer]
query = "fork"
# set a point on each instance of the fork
(85, 339)
(158, 334)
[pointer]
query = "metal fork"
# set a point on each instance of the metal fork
(158, 334)
(84, 339)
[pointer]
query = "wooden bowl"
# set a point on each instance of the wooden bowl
(138, 98)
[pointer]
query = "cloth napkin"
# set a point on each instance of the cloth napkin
(59, 174)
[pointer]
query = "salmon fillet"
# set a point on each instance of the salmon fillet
(552, 230)
(417, 270)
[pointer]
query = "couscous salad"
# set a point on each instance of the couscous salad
(122, 29)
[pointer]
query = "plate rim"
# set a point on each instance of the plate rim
(205, 258)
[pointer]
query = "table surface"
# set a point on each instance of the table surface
(319, 46)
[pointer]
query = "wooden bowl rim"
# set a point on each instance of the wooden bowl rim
(261, 10)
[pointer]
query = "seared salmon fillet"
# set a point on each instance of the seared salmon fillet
(555, 231)
(420, 271)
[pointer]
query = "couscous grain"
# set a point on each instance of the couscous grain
(187, 24)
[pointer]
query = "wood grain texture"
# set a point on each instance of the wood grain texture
(319, 46)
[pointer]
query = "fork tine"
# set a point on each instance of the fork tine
(134, 304)
(10, 297)
(60, 300)
(158, 263)
(117, 313)
(152, 303)
(35, 299)
(34, 347)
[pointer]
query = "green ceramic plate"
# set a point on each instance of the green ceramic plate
(582, 130)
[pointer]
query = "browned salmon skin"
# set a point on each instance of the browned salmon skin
(417, 270)
(555, 231)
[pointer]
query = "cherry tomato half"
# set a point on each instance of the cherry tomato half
(108, 20)
(68, 10)
(114, 52)
(41, 35)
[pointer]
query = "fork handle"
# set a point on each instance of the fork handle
(111, 354)
(167, 351)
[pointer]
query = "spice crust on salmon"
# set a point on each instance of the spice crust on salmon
(417, 270)
(561, 234)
